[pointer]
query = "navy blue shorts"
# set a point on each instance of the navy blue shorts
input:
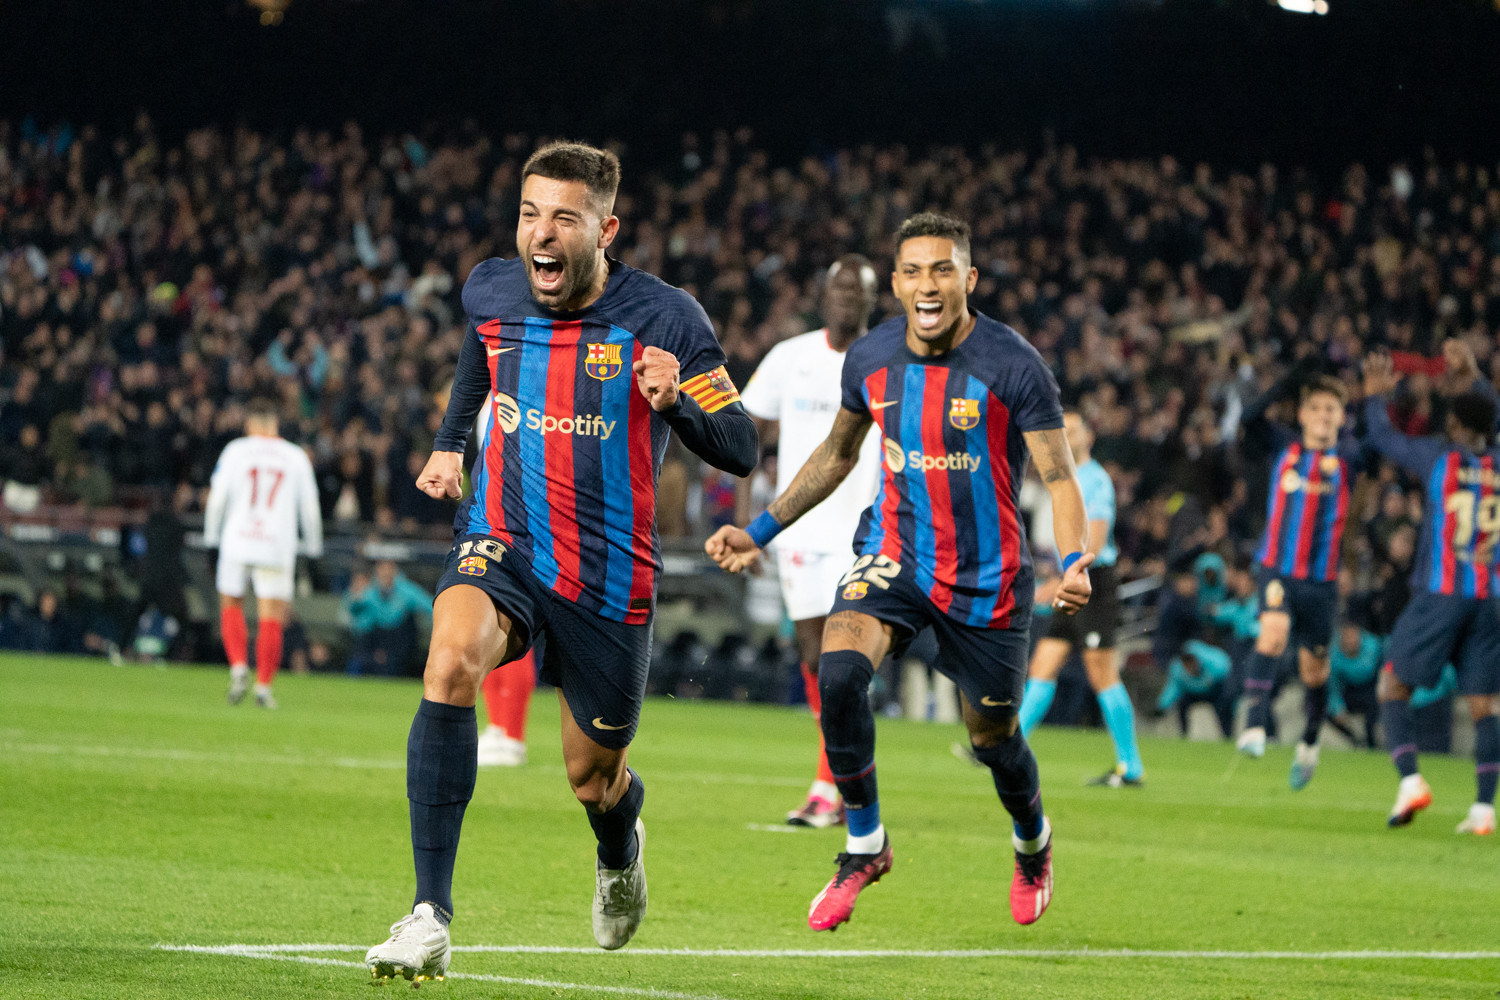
(1310, 603)
(989, 665)
(1436, 629)
(599, 665)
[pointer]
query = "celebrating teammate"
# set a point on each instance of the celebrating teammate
(1453, 616)
(1093, 628)
(1298, 561)
(261, 491)
(795, 393)
(587, 365)
(959, 399)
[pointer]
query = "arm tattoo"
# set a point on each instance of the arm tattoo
(828, 465)
(1050, 452)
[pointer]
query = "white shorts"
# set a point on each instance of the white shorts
(273, 582)
(810, 580)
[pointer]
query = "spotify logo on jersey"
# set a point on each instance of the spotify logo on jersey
(895, 458)
(507, 413)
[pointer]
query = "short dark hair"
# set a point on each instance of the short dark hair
(1325, 383)
(261, 408)
(598, 169)
(933, 224)
(1475, 412)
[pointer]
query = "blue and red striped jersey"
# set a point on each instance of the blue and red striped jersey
(954, 461)
(568, 459)
(1457, 549)
(1305, 512)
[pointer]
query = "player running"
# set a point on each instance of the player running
(261, 492)
(795, 393)
(578, 357)
(1453, 615)
(1093, 629)
(1297, 562)
(960, 399)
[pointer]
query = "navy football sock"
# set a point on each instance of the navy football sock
(1315, 701)
(615, 829)
(1487, 757)
(441, 763)
(1395, 719)
(1013, 766)
(849, 734)
(1260, 677)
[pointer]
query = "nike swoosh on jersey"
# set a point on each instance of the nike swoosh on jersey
(989, 702)
(883, 405)
(598, 723)
(492, 351)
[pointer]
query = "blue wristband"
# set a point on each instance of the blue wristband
(1069, 560)
(763, 529)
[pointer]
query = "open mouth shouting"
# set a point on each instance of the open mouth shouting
(548, 273)
(929, 315)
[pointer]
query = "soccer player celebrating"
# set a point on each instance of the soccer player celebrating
(587, 365)
(1298, 561)
(1453, 616)
(960, 399)
(1093, 628)
(796, 392)
(261, 491)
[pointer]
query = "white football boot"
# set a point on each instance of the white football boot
(620, 897)
(417, 948)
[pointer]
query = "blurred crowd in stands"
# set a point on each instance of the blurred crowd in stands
(149, 287)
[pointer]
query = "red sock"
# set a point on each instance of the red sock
(267, 650)
(518, 680)
(494, 683)
(236, 635)
(815, 702)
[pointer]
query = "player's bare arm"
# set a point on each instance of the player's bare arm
(1071, 529)
(828, 466)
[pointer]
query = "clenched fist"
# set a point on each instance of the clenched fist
(733, 549)
(442, 476)
(656, 374)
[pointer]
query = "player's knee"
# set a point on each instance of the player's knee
(1483, 705)
(985, 732)
(1389, 686)
(596, 784)
(454, 670)
(999, 752)
(844, 682)
(1272, 640)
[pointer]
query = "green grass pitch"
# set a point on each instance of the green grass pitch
(140, 811)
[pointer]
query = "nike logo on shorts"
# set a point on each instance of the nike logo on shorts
(598, 723)
(492, 351)
(883, 405)
(989, 702)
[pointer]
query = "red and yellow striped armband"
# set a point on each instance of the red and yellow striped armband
(712, 390)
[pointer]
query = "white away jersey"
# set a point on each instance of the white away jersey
(262, 488)
(799, 385)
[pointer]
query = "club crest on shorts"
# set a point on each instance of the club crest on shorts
(856, 591)
(603, 361)
(1275, 594)
(473, 565)
(964, 413)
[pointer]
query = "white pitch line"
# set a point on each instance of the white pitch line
(771, 828)
(244, 951)
(266, 950)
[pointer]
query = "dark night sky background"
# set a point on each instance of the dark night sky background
(1233, 81)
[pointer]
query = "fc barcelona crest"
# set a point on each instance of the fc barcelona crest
(964, 413)
(720, 380)
(603, 361)
(856, 591)
(473, 565)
